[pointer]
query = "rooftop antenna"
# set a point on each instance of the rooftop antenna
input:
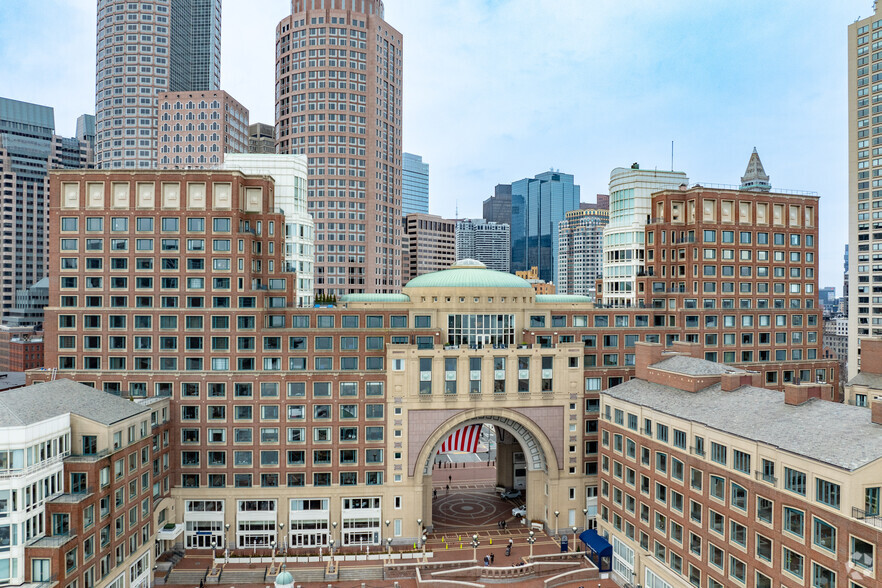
(457, 209)
(672, 155)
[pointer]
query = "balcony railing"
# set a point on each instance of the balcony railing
(871, 518)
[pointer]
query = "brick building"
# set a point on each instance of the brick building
(744, 261)
(311, 416)
(84, 478)
(708, 479)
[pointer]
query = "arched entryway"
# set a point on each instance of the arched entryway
(541, 461)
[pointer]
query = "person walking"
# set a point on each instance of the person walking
(492, 558)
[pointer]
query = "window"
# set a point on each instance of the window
(764, 510)
(827, 493)
(794, 481)
(718, 453)
(861, 553)
(824, 535)
(792, 563)
(741, 461)
(794, 521)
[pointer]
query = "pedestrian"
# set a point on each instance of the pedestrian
(435, 493)
(486, 560)
(504, 524)
(450, 478)
(202, 583)
(492, 558)
(447, 488)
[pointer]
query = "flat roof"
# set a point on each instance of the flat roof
(693, 366)
(38, 402)
(837, 434)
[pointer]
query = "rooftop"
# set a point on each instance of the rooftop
(832, 433)
(32, 404)
(374, 298)
(867, 379)
(12, 380)
(693, 366)
(468, 273)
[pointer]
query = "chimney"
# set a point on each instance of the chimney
(647, 355)
(871, 355)
(796, 394)
(876, 411)
(688, 348)
(733, 381)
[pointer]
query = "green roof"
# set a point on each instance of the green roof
(562, 298)
(468, 273)
(374, 298)
(284, 578)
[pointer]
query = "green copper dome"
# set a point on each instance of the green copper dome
(468, 273)
(284, 579)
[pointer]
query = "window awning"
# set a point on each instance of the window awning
(596, 543)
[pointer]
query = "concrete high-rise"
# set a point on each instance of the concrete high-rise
(864, 285)
(580, 249)
(338, 101)
(488, 242)
(538, 205)
(261, 138)
(196, 129)
(289, 173)
(28, 148)
(415, 185)
(428, 245)
(142, 50)
(629, 211)
(497, 208)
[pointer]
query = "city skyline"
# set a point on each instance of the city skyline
(639, 96)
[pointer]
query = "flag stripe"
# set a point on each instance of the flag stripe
(463, 439)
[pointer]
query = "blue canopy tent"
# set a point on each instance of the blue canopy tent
(599, 550)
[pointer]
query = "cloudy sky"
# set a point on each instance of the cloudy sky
(498, 90)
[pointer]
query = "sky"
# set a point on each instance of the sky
(500, 90)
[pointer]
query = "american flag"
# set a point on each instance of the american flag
(464, 439)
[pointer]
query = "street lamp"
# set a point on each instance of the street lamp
(419, 526)
(213, 547)
(331, 543)
(273, 547)
(475, 544)
(585, 512)
(334, 531)
(283, 541)
(227, 535)
(424, 545)
(556, 514)
(531, 539)
(389, 545)
(574, 537)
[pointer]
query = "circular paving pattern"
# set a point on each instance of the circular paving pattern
(470, 509)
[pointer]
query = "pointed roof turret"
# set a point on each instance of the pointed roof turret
(755, 178)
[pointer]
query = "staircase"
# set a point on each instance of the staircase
(249, 576)
(192, 577)
(371, 573)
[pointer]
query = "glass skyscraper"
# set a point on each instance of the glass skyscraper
(415, 185)
(537, 206)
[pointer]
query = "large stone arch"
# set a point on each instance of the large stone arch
(544, 457)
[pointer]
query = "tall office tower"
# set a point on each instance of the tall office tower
(144, 49)
(28, 148)
(195, 45)
(580, 255)
(86, 134)
(864, 194)
(843, 301)
(488, 242)
(428, 245)
(289, 173)
(196, 129)
(630, 191)
(415, 186)
(338, 101)
(497, 208)
(261, 138)
(538, 205)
